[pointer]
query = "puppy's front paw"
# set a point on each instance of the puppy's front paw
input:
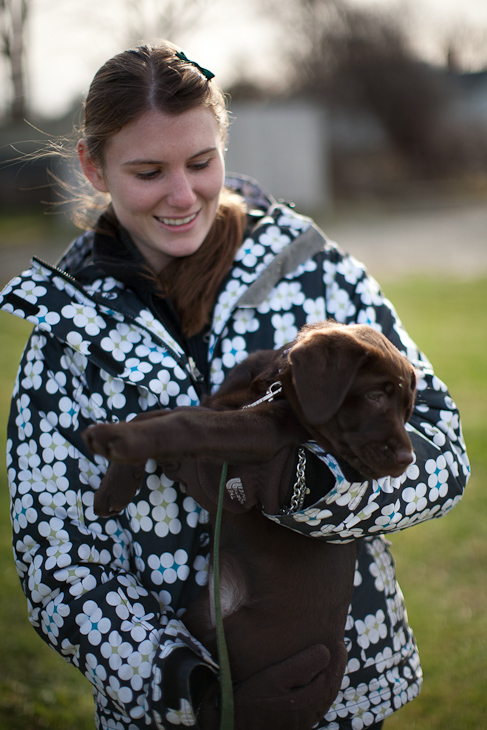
(102, 439)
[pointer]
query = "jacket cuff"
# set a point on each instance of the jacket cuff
(180, 679)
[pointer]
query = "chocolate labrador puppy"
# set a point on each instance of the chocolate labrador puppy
(285, 596)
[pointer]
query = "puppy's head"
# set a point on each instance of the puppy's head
(354, 391)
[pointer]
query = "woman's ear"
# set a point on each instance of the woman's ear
(90, 169)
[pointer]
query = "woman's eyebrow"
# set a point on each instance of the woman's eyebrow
(143, 161)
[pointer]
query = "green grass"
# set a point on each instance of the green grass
(441, 565)
(32, 226)
(38, 689)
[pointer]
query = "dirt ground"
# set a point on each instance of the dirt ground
(441, 239)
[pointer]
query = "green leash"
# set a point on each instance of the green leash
(226, 688)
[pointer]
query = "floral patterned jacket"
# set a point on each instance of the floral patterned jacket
(109, 594)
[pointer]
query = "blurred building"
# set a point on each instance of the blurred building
(286, 147)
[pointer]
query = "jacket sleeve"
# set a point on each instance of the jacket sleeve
(435, 481)
(76, 570)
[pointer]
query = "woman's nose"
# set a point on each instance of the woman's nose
(180, 191)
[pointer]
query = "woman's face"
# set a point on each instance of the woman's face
(164, 174)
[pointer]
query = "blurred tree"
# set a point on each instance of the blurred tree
(172, 19)
(362, 59)
(464, 47)
(13, 16)
(375, 68)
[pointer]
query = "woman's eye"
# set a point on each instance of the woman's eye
(150, 175)
(197, 166)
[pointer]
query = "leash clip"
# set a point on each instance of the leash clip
(271, 393)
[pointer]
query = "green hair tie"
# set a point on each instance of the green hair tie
(204, 71)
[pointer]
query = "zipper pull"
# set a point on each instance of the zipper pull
(197, 376)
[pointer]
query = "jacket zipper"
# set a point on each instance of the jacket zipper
(182, 360)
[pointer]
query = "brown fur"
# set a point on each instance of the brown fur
(348, 388)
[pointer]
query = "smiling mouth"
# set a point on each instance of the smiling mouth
(175, 222)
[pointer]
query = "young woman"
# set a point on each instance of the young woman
(183, 275)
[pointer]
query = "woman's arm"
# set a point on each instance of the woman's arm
(434, 483)
(78, 571)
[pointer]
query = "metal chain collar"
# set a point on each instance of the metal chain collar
(299, 488)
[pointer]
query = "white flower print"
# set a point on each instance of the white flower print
(76, 341)
(438, 476)
(225, 302)
(351, 269)
(164, 387)
(95, 672)
(150, 352)
(372, 629)
(249, 253)
(120, 341)
(32, 291)
(46, 319)
(339, 305)
(68, 417)
(92, 623)
(363, 717)
(389, 517)
(137, 665)
(415, 497)
(78, 578)
(136, 369)
(168, 568)
(56, 382)
(234, 351)
(33, 374)
(52, 617)
(119, 694)
(368, 316)
(274, 238)
(183, 716)
(438, 437)
(449, 423)
(58, 556)
(329, 272)
(91, 408)
(23, 420)
(369, 292)
(288, 219)
(315, 310)
(23, 512)
(306, 266)
(285, 329)
(245, 321)
(285, 296)
(115, 650)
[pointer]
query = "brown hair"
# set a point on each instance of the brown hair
(151, 77)
(154, 77)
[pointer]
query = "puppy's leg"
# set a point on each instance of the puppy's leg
(118, 487)
(246, 436)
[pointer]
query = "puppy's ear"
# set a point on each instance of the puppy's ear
(323, 368)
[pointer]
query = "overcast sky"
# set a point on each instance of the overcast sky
(69, 39)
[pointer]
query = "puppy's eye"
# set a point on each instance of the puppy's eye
(374, 395)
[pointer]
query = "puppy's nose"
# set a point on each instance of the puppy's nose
(404, 457)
